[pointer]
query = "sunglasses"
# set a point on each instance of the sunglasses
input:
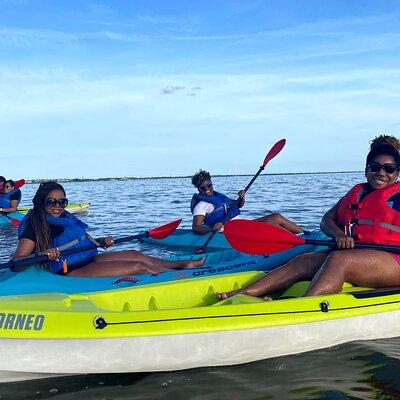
(388, 168)
(205, 186)
(51, 202)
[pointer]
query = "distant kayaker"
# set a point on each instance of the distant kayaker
(10, 197)
(49, 228)
(2, 182)
(368, 213)
(209, 208)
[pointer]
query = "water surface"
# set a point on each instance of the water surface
(359, 370)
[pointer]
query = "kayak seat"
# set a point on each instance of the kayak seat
(296, 290)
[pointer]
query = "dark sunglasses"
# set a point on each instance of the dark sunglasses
(51, 202)
(205, 186)
(388, 168)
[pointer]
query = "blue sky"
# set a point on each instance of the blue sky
(161, 88)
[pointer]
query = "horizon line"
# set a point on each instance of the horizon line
(127, 178)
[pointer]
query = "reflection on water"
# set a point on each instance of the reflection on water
(362, 370)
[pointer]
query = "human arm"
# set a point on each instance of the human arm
(200, 228)
(14, 206)
(330, 227)
(26, 249)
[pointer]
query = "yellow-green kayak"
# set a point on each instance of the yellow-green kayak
(180, 325)
(74, 208)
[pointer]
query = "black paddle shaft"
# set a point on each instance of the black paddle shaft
(331, 243)
(43, 257)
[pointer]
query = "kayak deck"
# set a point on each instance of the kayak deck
(37, 280)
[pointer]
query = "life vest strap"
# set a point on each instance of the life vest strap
(390, 226)
(71, 243)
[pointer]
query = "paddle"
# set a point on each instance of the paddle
(160, 232)
(275, 150)
(19, 183)
(253, 237)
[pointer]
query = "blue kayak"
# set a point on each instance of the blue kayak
(186, 238)
(5, 218)
(37, 280)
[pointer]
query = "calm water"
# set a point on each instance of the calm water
(360, 370)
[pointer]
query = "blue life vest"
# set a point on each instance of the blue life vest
(222, 204)
(73, 236)
(5, 201)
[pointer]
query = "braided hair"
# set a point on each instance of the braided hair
(38, 218)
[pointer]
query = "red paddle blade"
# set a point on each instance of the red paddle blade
(19, 183)
(165, 230)
(253, 237)
(275, 150)
(14, 222)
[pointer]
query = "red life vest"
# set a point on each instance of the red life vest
(370, 220)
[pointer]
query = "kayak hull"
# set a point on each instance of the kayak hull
(74, 208)
(5, 222)
(5, 218)
(147, 329)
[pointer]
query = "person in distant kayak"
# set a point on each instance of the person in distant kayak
(368, 213)
(48, 228)
(211, 208)
(2, 182)
(10, 198)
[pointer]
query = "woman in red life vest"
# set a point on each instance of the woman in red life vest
(368, 213)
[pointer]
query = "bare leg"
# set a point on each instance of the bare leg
(369, 268)
(279, 220)
(137, 256)
(302, 267)
(116, 268)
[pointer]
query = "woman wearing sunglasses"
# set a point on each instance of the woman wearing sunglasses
(210, 208)
(48, 228)
(10, 198)
(368, 213)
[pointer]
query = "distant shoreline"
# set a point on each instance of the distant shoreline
(132, 178)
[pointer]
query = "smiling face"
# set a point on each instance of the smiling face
(8, 187)
(377, 176)
(206, 188)
(55, 210)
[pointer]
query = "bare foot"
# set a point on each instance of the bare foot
(192, 264)
(226, 295)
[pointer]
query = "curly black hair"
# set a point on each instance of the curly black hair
(384, 140)
(200, 177)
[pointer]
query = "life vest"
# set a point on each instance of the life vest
(222, 205)
(74, 236)
(370, 220)
(5, 201)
